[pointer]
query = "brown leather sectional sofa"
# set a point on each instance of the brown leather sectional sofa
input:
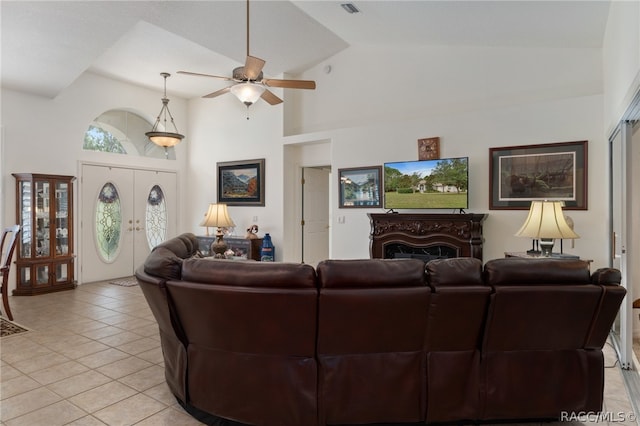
(379, 341)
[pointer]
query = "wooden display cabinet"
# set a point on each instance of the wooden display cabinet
(44, 211)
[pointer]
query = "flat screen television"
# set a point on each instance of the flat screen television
(427, 184)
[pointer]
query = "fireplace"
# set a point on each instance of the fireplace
(426, 236)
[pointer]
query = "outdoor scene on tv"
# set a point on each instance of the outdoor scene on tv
(429, 184)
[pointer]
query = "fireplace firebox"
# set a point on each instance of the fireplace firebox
(425, 236)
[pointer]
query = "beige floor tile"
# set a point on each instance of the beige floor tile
(40, 362)
(154, 355)
(162, 393)
(88, 421)
(27, 402)
(120, 338)
(169, 417)
(105, 357)
(58, 372)
(150, 330)
(66, 342)
(80, 383)
(102, 396)
(22, 348)
(58, 414)
(7, 372)
(82, 350)
(144, 379)
(130, 411)
(139, 346)
(124, 367)
(99, 333)
(17, 385)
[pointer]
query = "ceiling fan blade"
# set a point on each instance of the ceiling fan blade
(289, 84)
(270, 98)
(218, 93)
(253, 67)
(204, 75)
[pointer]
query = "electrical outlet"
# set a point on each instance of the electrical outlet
(255, 219)
(341, 219)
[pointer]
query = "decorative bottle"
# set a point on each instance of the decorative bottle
(268, 250)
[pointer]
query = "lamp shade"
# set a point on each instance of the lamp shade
(546, 220)
(217, 215)
(248, 93)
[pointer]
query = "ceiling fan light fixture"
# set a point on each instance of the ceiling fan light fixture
(163, 138)
(247, 92)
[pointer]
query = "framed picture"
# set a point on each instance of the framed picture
(429, 148)
(554, 172)
(360, 187)
(241, 183)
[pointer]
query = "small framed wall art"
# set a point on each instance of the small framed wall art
(429, 148)
(241, 183)
(360, 187)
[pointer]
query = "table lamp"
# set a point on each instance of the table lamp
(218, 216)
(546, 222)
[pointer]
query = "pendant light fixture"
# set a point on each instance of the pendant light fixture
(164, 138)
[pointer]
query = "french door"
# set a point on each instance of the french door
(125, 213)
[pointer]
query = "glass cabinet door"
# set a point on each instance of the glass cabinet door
(42, 226)
(24, 199)
(62, 219)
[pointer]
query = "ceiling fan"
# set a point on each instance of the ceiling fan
(250, 85)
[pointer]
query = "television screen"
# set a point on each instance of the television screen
(427, 184)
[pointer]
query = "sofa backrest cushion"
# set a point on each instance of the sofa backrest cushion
(539, 304)
(183, 246)
(457, 286)
(521, 271)
(249, 273)
(457, 271)
(371, 273)
(163, 263)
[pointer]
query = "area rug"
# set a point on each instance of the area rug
(8, 328)
(125, 282)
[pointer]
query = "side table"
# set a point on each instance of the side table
(242, 247)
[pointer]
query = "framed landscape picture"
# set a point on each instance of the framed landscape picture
(553, 172)
(241, 183)
(360, 187)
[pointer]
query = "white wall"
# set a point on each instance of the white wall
(219, 131)
(473, 99)
(621, 60)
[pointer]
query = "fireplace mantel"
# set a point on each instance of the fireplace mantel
(455, 235)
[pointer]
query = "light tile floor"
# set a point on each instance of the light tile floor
(93, 357)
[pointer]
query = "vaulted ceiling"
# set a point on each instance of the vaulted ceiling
(46, 45)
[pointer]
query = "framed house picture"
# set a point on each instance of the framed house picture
(241, 183)
(360, 187)
(553, 172)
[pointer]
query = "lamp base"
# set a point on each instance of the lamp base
(219, 246)
(546, 247)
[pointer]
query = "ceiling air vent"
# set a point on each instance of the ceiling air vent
(350, 7)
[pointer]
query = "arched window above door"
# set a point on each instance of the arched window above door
(123, 132)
